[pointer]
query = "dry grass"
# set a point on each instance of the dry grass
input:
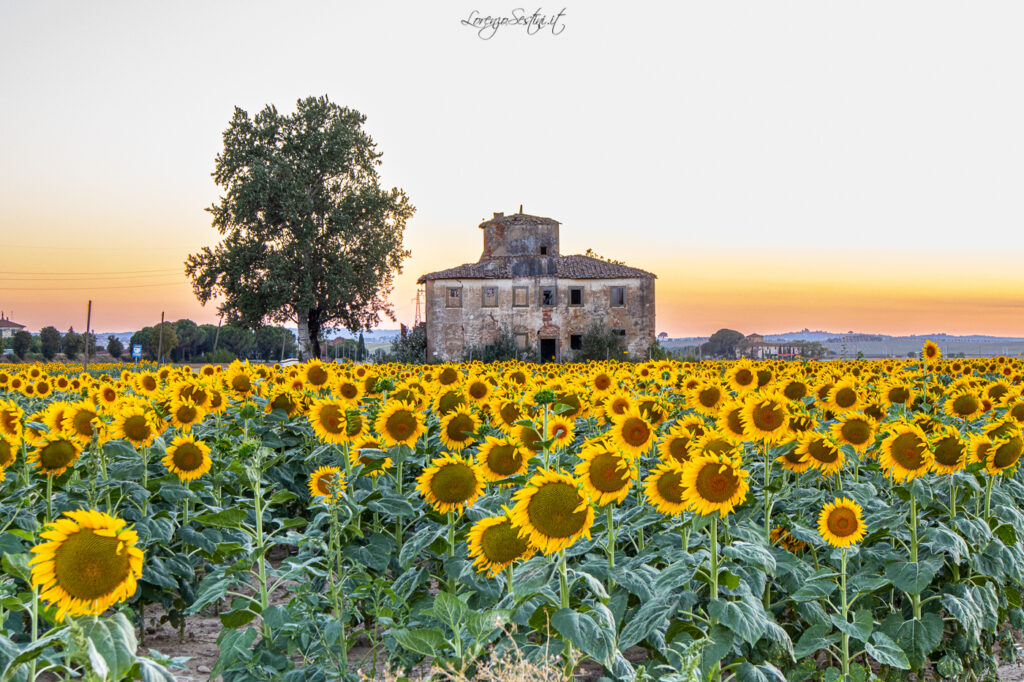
(510, 666)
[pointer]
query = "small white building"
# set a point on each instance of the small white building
(8, 328)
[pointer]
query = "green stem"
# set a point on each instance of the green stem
(335, 578)
(544, 434)
(988, 498)
(49, 498)
(915, 599)
(261, 560)
(952, 515)
(716, 673)
(398, 518)
(145, 480)
(509, 585)
(452, 585)
(845, 613)
(563, 591)
(609, 547)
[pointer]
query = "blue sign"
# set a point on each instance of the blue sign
(136, 351)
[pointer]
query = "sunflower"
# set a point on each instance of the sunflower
(795, 389)
(978, 446)
(707, 398)
(663, 488)
(840, 523)
(135, 424)
(821, 453)
(360, 455)
(239, 380)
(765, 418)
(631, 432)
(560, 431)
(714, 483)
(931, 353)
(783, 538)
(478, 390)
(675, 445)
(327, 417)
(495, 543)
(601, 382)
(552, 511)
(1004, 454)
(695, 424)
(905, 454)
(185, 414)
(146, 383)
(506, 413)
(949, 449)
(52, 455)
(53, 416)
(89, 563)
(325, 481)
(458, 429)
(450, 484)
(715, 443)
(742, 377)
(500, 458)
(791, 460)
(964, 405)
(617, 403)
(350, 390)
(106, 395)
(187, 458)
(399, 423)
(844, 397)
(8, 450)
(43, 388)
(605, 473)
(316, 374)
(731, 419)
(81, 421)
(855, 430)
(529, 437)
(11, 416)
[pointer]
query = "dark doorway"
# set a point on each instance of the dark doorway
(549, 350)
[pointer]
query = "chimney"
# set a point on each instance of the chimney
(498, 215)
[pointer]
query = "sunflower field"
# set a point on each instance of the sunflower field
(672, 521)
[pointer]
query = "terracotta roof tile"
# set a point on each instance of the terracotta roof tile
(567, 267)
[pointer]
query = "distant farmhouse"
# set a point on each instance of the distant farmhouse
(8, 328)
(545, 299)
(755, 347)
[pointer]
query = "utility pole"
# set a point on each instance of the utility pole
(88, 321)
(160, 343)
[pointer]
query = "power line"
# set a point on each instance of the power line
(98, 248)
(88, 288)
(109, 272)
(52, 278)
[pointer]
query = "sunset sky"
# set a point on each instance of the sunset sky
(778, 165)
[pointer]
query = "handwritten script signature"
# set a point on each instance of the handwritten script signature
(487, 26)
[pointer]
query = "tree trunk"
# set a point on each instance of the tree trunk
(302, 326)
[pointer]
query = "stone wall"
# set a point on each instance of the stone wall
(452, 331)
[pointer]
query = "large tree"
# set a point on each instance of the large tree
(49, 339)
(309, 235)
(72, 343)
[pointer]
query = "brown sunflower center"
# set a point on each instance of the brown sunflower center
(856, 431)
(449, 402)
(908, 450)
(186, 414)
(605, 474)
(966, 405)
(447, 376)
(332, 418)
(283, 402)
(795, 390)
(768, 416)
(6, 453)
(400, 425)
(635, 431)
(241, 383)
(679, 448)
(9, 422)
(316, 376)
(602, 382)
(478, 390)
(501, 544)
(949, 451)
(709, 397)
(842, 522)
(353, 424)
(348, 390)
(504, 460)
(670, 486)
(460, 428)
(744, 377)
(1008, 453)
(137, 428)
(823, 451)
(453, 483)
(733, 421)
(89, 566)
(530, 438)
(1017, 412)
(716, 482)
(187, 457)
(324, 482)
(510, 413)
(82, 422)
(552, 510)
(800, 423)
(845, 397)
(149, 383)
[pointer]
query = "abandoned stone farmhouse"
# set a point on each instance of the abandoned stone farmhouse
(546, 299)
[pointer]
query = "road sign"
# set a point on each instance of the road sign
(136, 351)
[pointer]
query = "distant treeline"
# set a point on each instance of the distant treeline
(186, 341)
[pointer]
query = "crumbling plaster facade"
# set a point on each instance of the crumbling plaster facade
(521, 281)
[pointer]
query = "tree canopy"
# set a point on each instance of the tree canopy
(723, 343)
(308, 234)
(49, 340)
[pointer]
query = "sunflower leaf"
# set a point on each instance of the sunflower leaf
(887, 652)
(912, 577)
(580, 630)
